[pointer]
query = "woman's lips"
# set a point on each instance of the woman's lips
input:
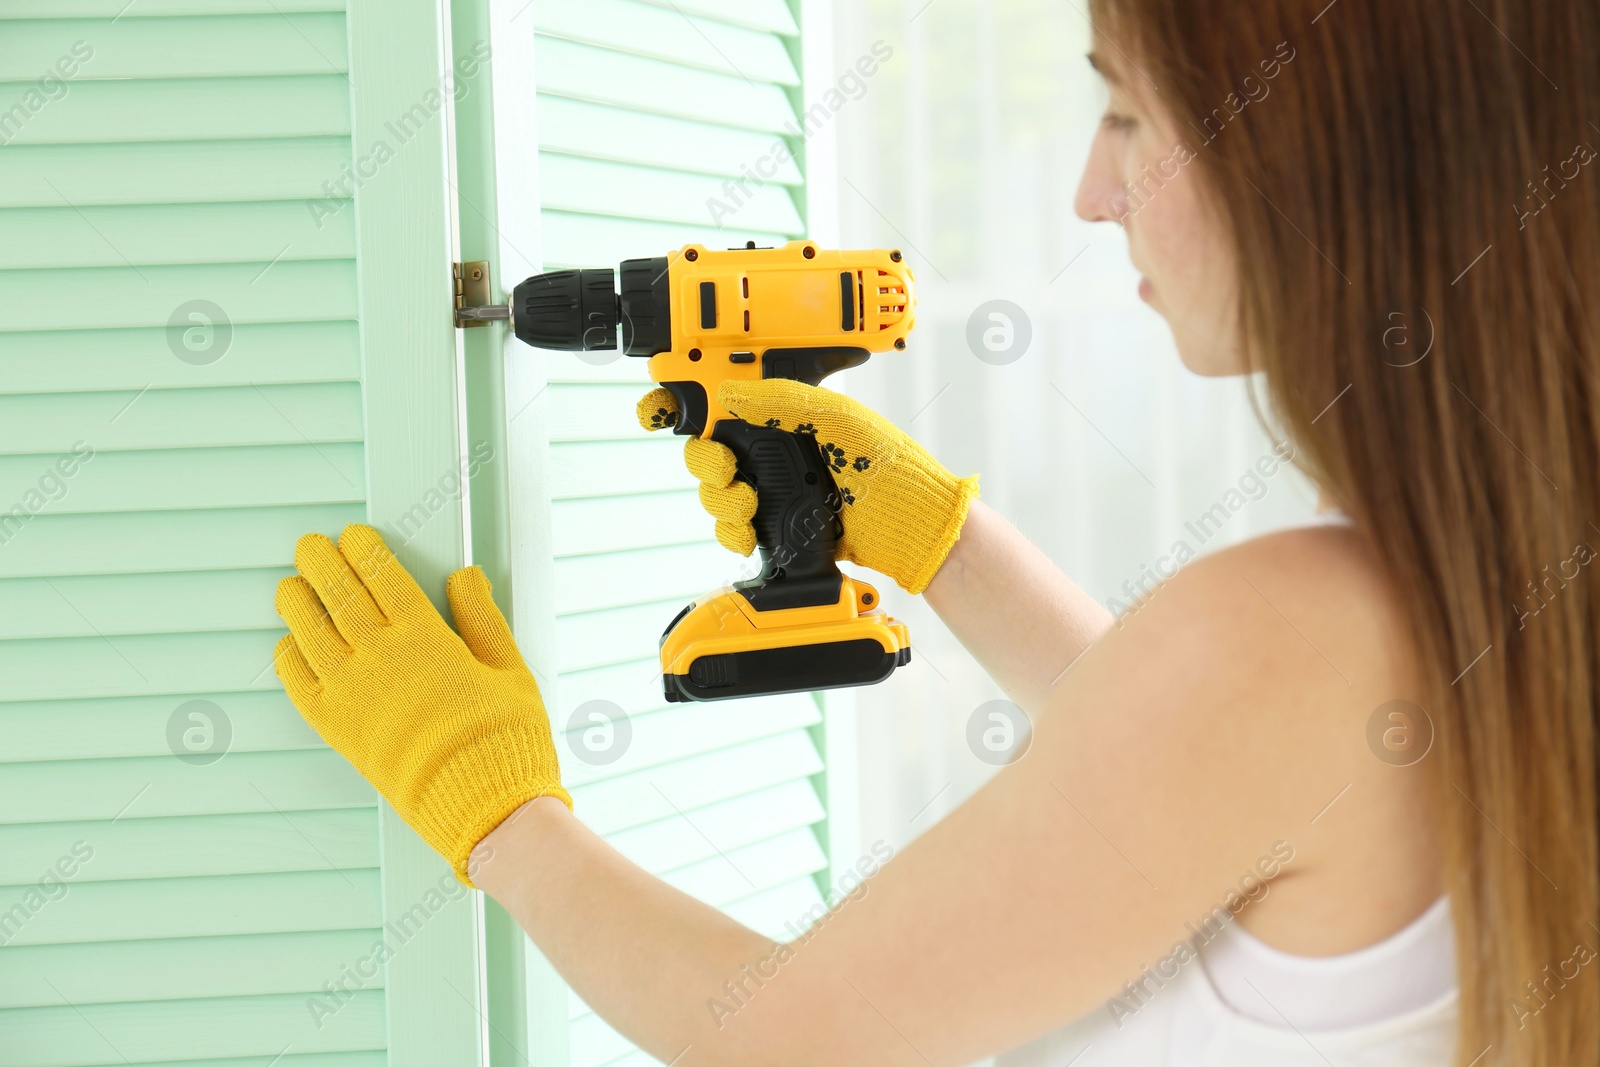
(1146, 290)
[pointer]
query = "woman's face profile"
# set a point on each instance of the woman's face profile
(1142, 173)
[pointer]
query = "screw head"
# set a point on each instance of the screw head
(694, 355)
(866, 598)
(691, 255)
(810, 253)
(895, 255)
(900, 343)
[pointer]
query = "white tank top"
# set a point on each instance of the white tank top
(1242, 1003)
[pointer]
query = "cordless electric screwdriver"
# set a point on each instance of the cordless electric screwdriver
(701, 317)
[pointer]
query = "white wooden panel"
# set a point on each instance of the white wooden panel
(617, 803)
(671, 35)
(644, 465)
(614, 636)
(655, 118)
(771, 15)
(619, 190)
(609, 524)
(584, 241)
(780, 911)
(603, 76)
(578, 128)
(672, 843)
(599, 412)
(662, 737)
(618, 579)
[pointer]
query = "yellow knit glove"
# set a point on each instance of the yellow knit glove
(902, 511)
(450, 729)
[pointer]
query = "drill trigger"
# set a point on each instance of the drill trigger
(693, 407)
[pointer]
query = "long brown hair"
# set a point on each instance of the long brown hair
(1415, 201)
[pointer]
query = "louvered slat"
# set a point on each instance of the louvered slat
(255, 1026)
(259, 843)
(110, 728)
(47, 361)
(186, 109)
(217, 539)
(294, 169)
(170, 419)
(188, 969)
(156, 908)
(155, 234)
(112, 9)
(205, 46)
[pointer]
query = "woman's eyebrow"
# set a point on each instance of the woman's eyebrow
(1103, 68)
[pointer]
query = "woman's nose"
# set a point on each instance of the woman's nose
(1101, 196)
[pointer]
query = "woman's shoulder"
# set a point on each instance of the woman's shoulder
(1322, 582)
(1281, 648)
(1223, 722)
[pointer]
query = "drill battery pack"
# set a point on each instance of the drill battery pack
(721, 647)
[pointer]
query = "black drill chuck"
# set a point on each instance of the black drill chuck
(567, 310)
(580, 310)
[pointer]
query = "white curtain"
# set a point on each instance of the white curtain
(964, 149)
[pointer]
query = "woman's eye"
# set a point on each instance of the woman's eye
(1119, 123)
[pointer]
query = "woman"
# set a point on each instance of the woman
(1215, 849)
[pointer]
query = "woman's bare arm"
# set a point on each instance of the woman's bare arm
(1187, 748)
(644, 955)
(1022, 619)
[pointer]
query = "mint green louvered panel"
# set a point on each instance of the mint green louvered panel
(158, 905)
(644, 113)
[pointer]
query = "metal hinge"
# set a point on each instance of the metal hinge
(472, 289)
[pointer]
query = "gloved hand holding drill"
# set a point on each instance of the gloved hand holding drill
(901, 510)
